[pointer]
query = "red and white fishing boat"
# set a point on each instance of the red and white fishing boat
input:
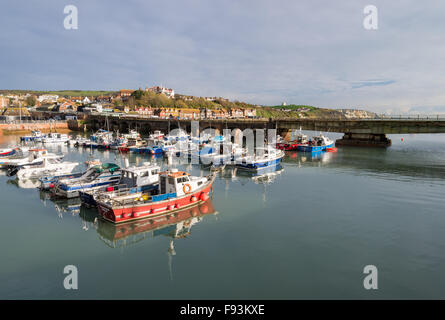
(177, 190)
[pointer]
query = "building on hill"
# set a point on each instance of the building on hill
(236, 113)
(68, 106)
(159, 89)
(48, 98)
(4, 102)
(125, 93)
(250, 113)
(189, 113)
(146, 111)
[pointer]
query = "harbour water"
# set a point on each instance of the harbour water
(305, 232)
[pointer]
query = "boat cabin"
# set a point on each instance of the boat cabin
(179, 182)
(140, 176)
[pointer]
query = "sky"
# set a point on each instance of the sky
(264, 52)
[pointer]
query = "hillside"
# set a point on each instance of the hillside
(305, 111)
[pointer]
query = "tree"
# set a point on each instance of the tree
(31, 101)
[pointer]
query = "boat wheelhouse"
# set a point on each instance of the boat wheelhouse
(134, 180)
(177, 189)
(94, 178)
(55, 137)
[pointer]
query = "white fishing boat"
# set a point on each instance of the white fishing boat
(55, 138)
(262, 158)
(49, 166)
(221, 153)
(35, 136)
(156, 135)
(132, 134)
(134, 180)
(29, 157)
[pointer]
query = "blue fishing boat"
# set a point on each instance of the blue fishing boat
(94, 178)
(317, 144)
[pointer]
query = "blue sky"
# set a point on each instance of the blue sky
(265, 52)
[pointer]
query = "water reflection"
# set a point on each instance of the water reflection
(175, 225)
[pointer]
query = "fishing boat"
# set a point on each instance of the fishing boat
(27, 157)
(180, 136)
(100, 133)
(177, 190)
(317, 144)
(94, 178)
(133, 145)
(300, 140)
(49, 166)
(55, 137)
(6, 152)
(262, 158)
(134, 180)
(49, 181)
(132, 134)
(156, 135)
(222, 153)
(35, 136)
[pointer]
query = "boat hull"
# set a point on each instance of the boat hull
(259, 165)
(306, 148)
(140, 211)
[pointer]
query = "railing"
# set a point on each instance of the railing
(23, 121)
(438, 117)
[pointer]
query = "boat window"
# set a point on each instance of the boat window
(171, 180)
(144, 174)
(182, 179)
(199, 183)
(153, 172)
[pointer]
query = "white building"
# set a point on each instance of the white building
(167, 91)
(48, 98)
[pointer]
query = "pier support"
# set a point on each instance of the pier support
(364, 140)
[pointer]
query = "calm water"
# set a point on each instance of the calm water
(305, 232)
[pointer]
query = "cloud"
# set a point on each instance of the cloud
(371, 83)
(300, 52)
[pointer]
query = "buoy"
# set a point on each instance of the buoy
(204, 196)
(51, 185)
(401, 139)
(170, 207)
(110, 189)
(177, 206)
(187, 188)
(194, 199)
(331, 149)
(135, 214)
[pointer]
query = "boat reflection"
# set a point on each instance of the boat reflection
(62, 205)
(175, 225)
(24, 183)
